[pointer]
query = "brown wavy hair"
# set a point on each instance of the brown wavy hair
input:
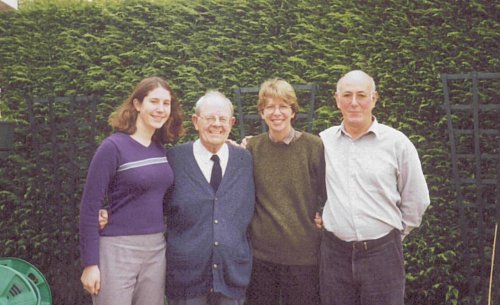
(124, 117)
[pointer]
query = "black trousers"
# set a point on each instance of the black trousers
(362, 273)
(276, 284)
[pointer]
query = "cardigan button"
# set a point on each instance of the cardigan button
(216, 243)
(216, 221)
(215, 266)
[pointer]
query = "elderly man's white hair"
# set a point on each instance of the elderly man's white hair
(212, 95)
(356, 74)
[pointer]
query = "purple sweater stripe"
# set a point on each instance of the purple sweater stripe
(134, 194)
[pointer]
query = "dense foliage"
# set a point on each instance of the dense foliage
(103, 48)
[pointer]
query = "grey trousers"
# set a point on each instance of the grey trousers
(133, 270)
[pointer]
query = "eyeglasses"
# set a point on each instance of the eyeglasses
(271, 109)
(212, 119)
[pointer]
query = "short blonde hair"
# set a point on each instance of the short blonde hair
(280, 89)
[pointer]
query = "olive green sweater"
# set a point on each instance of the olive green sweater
(290, 189)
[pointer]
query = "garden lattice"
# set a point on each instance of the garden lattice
(472, 111)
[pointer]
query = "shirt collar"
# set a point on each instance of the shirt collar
(374, 128)
(292, 135)
(199, 149)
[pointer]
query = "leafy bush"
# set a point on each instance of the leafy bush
(102, 48)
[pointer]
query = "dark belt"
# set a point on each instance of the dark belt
(364, 244)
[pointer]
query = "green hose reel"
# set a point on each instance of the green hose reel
(22, 283)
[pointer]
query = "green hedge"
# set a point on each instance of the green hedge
(61, 48)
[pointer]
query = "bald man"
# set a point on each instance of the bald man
(376, 194)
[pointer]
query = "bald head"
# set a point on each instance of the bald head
(356, 97)
(356, 76)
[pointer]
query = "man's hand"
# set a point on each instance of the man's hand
(103, 218)
(244, 142)
(232, 142)
(91, 279)
(318, 221)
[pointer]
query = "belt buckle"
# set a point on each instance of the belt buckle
(362, 245)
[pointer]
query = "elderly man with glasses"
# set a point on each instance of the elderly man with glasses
(208, 212)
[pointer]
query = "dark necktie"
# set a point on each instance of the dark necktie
(216, 176)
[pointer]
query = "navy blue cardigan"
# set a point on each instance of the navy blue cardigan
(207, 241)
